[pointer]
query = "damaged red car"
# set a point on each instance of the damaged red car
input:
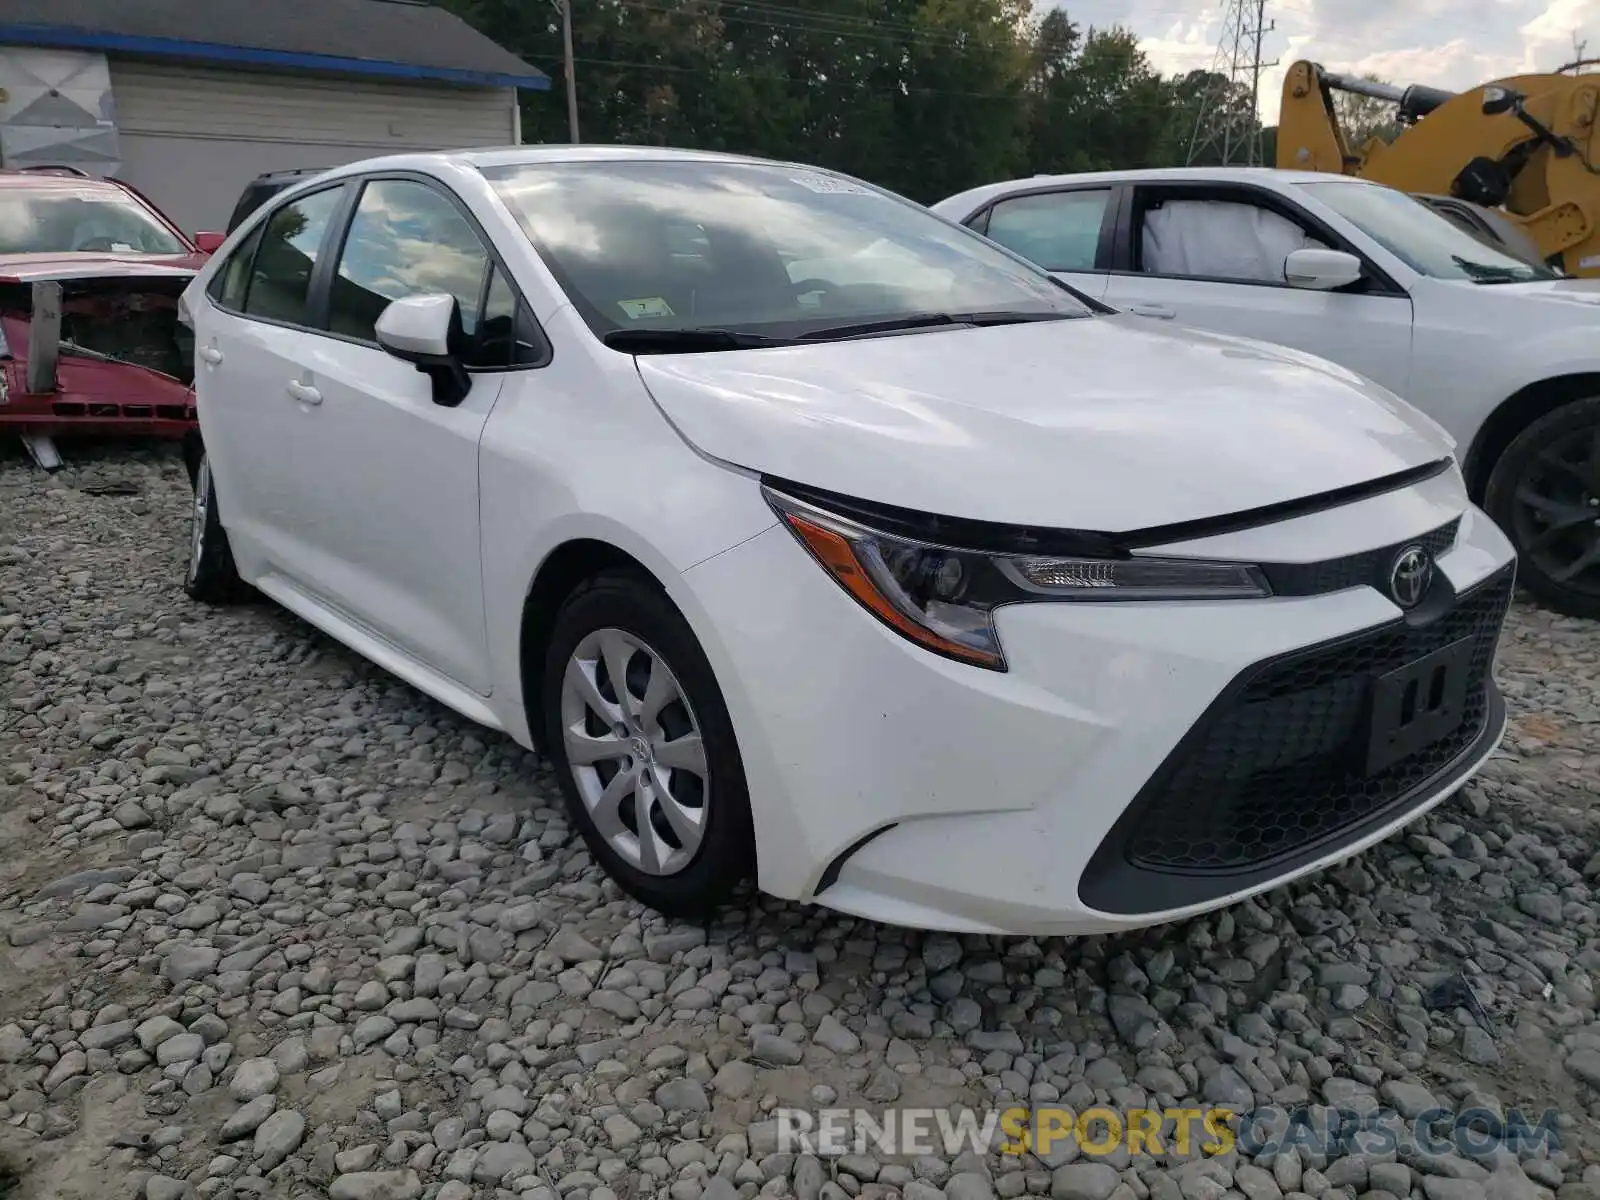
(90, 336)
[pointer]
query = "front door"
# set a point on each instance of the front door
(1215, 262)
(389, 477)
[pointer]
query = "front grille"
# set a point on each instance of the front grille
(1370, 568)
(1278, 764)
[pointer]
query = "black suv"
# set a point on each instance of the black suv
(263, 187)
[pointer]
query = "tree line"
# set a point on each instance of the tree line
(925, 97)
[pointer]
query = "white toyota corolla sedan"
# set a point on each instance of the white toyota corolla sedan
(819, 540)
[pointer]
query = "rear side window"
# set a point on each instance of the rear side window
(229, 285)
(1059, 230)
(280, 282)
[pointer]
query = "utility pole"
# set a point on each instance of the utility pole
(1237, 67)
(565, 8)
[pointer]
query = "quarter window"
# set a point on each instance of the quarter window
(1058, 230)
(229, 285)
(406, 239)
(280, 283)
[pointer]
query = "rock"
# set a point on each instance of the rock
(278, 1137)
(1083, 1181)
(1585, 1065)
(130, 816)
(247, 1119)
(770, 1048)
(156, 1030)
(253, 1077)
(187, 963)
(682, 1095)
(164, 1187)
(376, 1185)
(183, 1047)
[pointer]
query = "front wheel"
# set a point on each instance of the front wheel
(644, 747)
(1544, 493)
(211, 578)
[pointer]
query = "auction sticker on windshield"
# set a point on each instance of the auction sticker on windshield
(650, 306)
(824, 184)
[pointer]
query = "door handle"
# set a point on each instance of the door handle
(304, 393)
(211, 354)
(1159, 312)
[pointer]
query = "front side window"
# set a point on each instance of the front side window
(1231, 240)
(1428, 243)
(406, 239)
(280, 281)
(755, 248)
(1059, 230)
(62, 219)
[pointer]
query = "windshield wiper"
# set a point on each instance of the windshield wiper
(930, 320)
(687, 341)
(1488, 273)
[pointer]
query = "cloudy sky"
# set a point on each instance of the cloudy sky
(1447, 43)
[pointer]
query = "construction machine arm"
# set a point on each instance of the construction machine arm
(1527, 144)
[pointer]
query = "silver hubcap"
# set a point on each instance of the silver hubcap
(633, 744)
(202, 502)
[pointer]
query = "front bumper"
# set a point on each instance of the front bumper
(1139, 763)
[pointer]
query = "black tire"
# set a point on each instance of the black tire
(211, 577)
(1527, 467)
(633, 603)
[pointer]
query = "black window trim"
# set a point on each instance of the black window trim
(320, 291)
(1375, 280)
(1105, 248)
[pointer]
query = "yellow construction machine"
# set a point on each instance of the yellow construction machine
(1527, 145)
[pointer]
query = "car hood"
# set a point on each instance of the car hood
(39, 268)
(1102, 423)
(1570, 291)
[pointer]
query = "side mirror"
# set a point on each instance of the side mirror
(425, 331)
(209, 243)
(1321, 270)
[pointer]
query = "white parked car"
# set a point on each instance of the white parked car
(931, 593)
(1504, 353)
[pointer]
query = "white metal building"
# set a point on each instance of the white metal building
(190, 101)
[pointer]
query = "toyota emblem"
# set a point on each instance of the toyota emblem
(1410, 576)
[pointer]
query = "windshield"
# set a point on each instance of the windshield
(63, 220)
(667, 248)
(1425, 241)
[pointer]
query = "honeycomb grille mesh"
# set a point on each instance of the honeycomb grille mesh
(1281, 765)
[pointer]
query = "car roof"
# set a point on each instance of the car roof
(1272, 177)
(502, 156)
(42, 181)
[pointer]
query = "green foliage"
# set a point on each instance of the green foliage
(925, 97)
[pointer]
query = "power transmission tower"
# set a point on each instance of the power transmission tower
(1224, 128)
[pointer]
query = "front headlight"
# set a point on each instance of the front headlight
(944, 597)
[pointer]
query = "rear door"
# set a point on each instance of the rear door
(1069, 231)
(1212, 256)
(248, 339)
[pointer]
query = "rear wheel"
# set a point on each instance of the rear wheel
(644, 748)
(1545, 493)
(212, 578)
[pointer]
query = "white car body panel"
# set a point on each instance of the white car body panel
(413, 534)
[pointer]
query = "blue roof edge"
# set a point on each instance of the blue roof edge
(84, 39)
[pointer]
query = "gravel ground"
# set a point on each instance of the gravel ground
(274, 924)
